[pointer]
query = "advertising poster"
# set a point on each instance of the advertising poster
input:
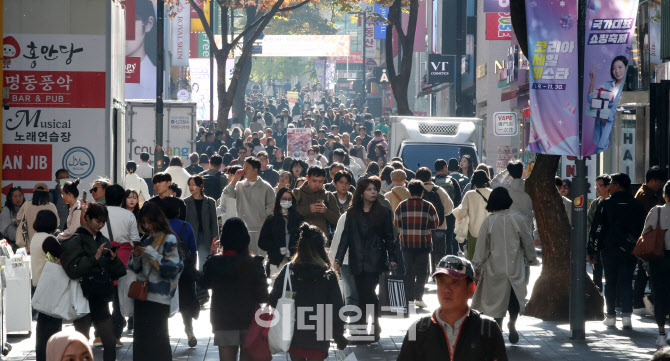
(298, 141)
(498, 26)
(498, 6)
(180, 37)
(380, 27)
(552, 31)
(609, 37)
(200, 88)
(56, 118)
(141, 54)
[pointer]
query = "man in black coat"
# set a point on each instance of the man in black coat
(454, 329)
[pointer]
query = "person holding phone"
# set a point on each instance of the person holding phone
(85, 255)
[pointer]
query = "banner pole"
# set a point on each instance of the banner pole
(578, 236)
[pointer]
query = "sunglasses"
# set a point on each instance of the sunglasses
(94, 189)
(453, 264)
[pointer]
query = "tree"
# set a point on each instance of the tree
(550, 297)
(400, 80)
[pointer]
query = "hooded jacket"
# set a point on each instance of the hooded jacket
(238, 285)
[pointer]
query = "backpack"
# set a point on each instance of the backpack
(434, 198)
(213, 186)
(452, 187)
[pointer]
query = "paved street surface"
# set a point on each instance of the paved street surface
(538, 340)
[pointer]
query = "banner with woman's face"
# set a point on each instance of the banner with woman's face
(141, 49)
(554, 64)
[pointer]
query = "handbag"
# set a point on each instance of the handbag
(651, 245)
(98, 286)
(392, 296)
(140, 290)
(280, 334)
(256, 344)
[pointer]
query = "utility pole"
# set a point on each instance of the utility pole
(158, 153)
(211, 68)
(365, 59)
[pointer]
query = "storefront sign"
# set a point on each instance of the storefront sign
(569, 171)
(181, 29)
(552, 34)
(628, 151)
(506, 124)
(498, 26)
(440, 68)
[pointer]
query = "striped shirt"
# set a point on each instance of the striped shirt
(415, 219)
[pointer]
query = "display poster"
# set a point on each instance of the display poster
(299, 141)
(498, 26)
(141, 50)
(56, 115)
(199, 69)
(554, 93)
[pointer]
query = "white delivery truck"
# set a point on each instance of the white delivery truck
(179, 128)
(419, 141)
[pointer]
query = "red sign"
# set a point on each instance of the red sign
(55, 89)
(133, 69)
(26, 162)
(129, 6)
(498, 26)
(354, 58)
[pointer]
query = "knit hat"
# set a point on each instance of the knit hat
(235, 235)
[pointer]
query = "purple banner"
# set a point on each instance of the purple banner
(498, 6)
(609, 35)
(553, 60)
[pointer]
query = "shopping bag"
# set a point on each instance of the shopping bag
(48, 297)
(350, 357)
(126, 304)
(79, 302)
(392, 296)
(280, 334)
(256, 344)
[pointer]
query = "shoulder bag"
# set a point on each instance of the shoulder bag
(140, 290)
(22, 233)
(280, 334)
(651, 245)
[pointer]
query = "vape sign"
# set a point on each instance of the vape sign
(506, 124)
(440, 68)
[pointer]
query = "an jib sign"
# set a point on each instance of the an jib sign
(505, 124)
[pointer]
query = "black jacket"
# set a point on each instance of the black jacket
(78, 257)
(479, 339)
(273, 235)
(238, 285)
(369, 239)
(313, 286)
(617, 224)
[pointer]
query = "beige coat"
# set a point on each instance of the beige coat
(447, 203)
(473, 205)
(30, 212)
(503, 243)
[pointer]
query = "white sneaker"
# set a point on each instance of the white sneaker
(662, 340)
(627, 324)
(420, 304)
(648, 306)
(610, 321)
(640, 311)
(409, 303)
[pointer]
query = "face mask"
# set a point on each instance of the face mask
(285, 204)
(63, 181)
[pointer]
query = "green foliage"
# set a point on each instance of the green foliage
(266, 68)
(306, 20)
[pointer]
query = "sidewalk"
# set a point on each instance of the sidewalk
(539, 340)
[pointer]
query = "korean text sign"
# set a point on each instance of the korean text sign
(553, 59)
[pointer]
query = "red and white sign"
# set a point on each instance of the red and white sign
(505, 124)
(55, 89)
(181, 28)
(133, 69)
(498, 26)
(27, 163)
(354, 58)
(54, 52)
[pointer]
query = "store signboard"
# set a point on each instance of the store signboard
(498, 26)
(506, 124)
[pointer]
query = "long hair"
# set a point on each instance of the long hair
(127, 194)
(280, 193)
(152, 213)
(13, 210)
(311, 247)
(357, 202)
(471, 167)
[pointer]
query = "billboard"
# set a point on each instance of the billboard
(305, 45)
(141, 53)
(498, 26)
(554, 93)
(180, 26)
(57, 103)
(498, 6)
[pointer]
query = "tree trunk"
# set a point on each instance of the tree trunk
(400, 80)
(400, 95)
(225, 97)
(550, 298)
(238, 101)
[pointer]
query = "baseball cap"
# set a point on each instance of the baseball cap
(43, 187)
(456, 267)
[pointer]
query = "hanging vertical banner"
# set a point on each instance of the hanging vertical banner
(609, 37)
(320, 69)
(553, 58)
(141, 53)
(498, 26)
(498, 6)
(380, 27)
(181, 31)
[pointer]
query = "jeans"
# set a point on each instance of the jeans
(439, 246)
(451, 242)
(46, 327)
(416, 272)
(349, 283)
(151, 336)
(659, 272)
(619, 268)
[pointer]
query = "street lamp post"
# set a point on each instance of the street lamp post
(158, 152)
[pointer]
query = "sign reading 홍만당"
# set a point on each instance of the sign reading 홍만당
(554, 93)
(505, 124)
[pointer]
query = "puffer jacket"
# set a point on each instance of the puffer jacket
(78, 258)
(369, 239)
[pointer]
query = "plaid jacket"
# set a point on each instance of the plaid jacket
(415, 219)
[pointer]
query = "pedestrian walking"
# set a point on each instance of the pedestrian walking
(28, 213)
(315, 287)
(368, 236)
(280, 232)
(98, 189)
(87, 256)
(454, 329)
(603, 191)
(504, 242)
(416, 220)
(70, 192)
(62, 176)
(317, 206)
(158, 261)
(133, 181)
(179, 175)
(238, 283)
(473, 206)
(201, 215)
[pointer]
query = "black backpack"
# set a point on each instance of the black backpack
(213, 186)
(434, 198)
